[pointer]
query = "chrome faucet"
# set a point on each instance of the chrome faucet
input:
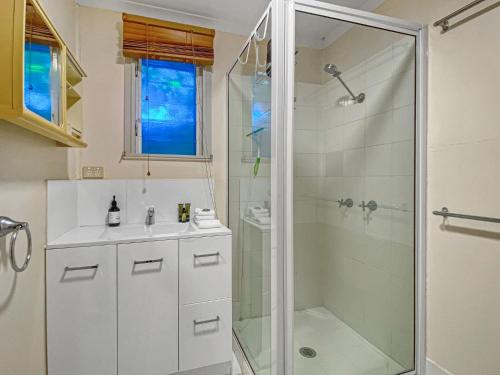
(150, 217)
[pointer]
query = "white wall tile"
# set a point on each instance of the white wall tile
(354, 135)
(379, 98)
(306, 117)
(402, 158)
(378, 160)
(165, 195)
(306, 165)
(62, 207)
(305, 141)
(94, 200)
(379, 129)
(354, 162)
(334, 139)
(403, 123)
(334, 164)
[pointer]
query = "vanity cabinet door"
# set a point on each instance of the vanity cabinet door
(148, 308)
(81, 310)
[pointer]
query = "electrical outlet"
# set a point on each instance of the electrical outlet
(93, 172)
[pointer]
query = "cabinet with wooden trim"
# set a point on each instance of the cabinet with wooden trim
(40, 84)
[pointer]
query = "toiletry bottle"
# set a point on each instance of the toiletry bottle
(188, 211)
(114, 214)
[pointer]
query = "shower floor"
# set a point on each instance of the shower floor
(339, 349)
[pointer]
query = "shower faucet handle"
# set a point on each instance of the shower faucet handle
(371, 205)
(345, 202)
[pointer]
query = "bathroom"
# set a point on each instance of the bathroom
(300, 187)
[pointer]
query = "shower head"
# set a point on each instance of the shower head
(332, 69)
(353, 99)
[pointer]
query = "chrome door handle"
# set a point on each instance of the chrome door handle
(148, 261)
(198, 322)
(69, 268)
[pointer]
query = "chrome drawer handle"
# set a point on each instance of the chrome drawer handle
(94, 267)
(159, 260)
(217, 254)
(198, 322)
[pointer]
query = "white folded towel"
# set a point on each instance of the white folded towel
(257, 210)
(207, 224)
(261, 220)
(203, 211)
(204, 217)
(258, 214)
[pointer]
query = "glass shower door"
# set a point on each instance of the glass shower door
(249, 88)
(354, 198)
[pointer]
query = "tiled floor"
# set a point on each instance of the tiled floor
(340, 350)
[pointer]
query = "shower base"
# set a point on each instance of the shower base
(339, 349)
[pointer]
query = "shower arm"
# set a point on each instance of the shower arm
(354, 97)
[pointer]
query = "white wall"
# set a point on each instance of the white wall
(103, 106)
(27, 161)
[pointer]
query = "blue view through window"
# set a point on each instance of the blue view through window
(168, 111)
(37, 94)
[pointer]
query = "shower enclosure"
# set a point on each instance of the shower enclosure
(326, 167)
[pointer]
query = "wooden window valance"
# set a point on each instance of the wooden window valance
(157, 39)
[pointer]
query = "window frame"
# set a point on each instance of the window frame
(133, 116)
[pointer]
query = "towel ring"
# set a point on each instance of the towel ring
(8, 226)
(13, 239)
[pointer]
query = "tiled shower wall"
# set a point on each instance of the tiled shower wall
(363, 152)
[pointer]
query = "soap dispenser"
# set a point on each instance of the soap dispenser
(114, 214)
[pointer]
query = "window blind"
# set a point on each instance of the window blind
(163, 40)
(35, 28)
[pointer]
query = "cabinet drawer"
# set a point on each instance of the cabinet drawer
(205, 269)
(204, 334)
(147, 308)
(81, 311)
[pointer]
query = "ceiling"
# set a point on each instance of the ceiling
(236, 16)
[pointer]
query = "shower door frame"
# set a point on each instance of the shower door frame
(283, 52)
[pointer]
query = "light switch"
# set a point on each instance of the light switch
(93, 172)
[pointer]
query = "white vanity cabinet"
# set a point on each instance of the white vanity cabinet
(205, 321)
(81, 310)
(148, 308)
(141, 307)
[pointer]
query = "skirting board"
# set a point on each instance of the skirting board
(434, 369)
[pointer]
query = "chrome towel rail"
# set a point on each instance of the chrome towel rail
(8, 226)
(444, 22)
(446, 213)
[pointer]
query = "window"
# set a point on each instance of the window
(166, 109)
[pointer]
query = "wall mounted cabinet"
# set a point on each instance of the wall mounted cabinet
(40, 81)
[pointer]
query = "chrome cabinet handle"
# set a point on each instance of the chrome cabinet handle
(198, 322)
(148, 261)
(69, 268)
(196, 256)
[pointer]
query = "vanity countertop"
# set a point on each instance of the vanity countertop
(104, 235)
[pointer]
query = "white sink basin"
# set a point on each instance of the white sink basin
(101, 235)
(155, 230)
